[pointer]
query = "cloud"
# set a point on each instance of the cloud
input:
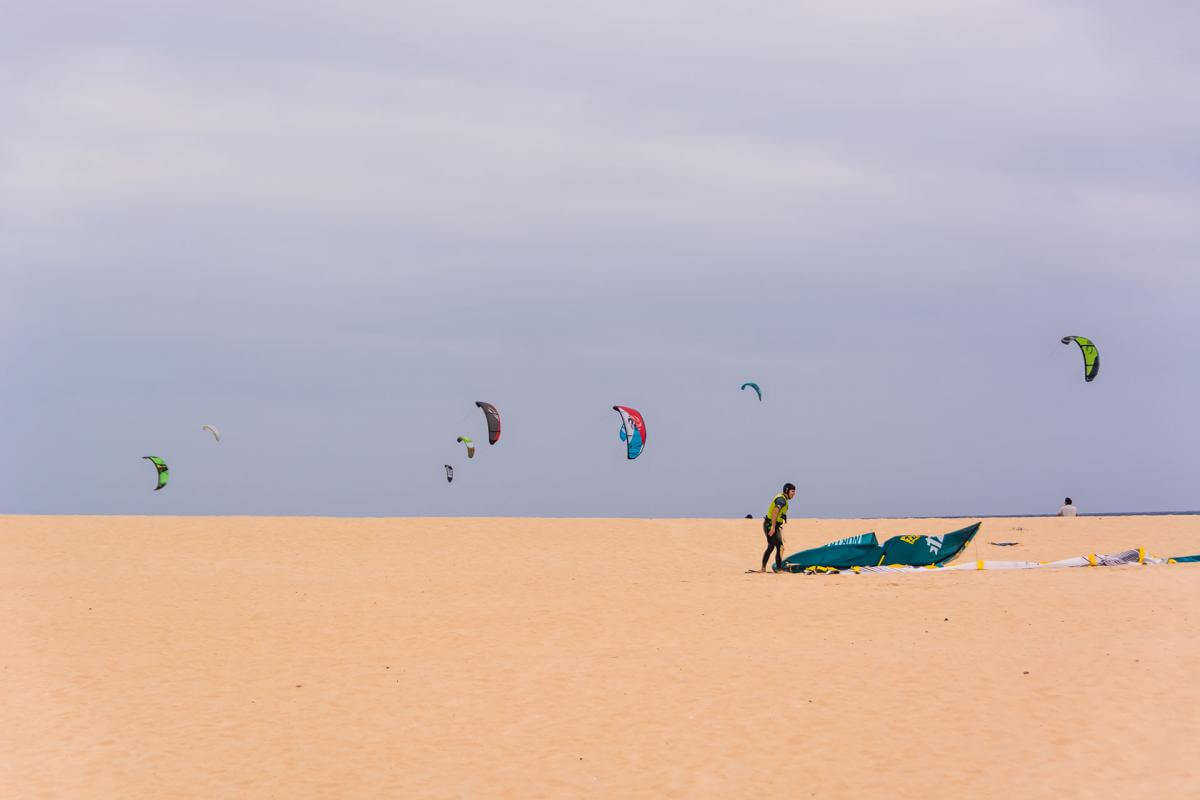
(287, 213)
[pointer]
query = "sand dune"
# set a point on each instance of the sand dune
(315, 658)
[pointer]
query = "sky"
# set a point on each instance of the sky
(328, 228)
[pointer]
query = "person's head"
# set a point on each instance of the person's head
(1067, 502)
(789, 489)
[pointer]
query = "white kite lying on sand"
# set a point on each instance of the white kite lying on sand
(1122, 558)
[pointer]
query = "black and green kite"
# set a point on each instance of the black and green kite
(1091, 356)
(163, 474)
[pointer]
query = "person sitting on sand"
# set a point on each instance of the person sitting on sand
(1068, 510)
(773, 525)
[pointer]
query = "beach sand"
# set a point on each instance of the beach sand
(243, 657)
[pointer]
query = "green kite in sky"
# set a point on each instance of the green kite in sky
(1091, 356)
(163, 474)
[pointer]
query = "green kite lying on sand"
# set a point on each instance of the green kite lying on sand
(864, 550)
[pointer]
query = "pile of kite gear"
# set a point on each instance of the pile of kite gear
(1138, 556)
(929, 553)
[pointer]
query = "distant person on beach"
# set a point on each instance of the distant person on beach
(773, 525)
(1068, 510)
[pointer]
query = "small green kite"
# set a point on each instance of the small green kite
(1091, 356)
(163, 474)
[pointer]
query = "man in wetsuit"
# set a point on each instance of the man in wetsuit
(773, 525)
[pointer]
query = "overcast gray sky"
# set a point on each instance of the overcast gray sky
(329, 227)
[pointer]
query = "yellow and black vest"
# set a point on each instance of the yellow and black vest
(782, 509)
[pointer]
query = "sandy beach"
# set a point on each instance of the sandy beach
(319, 657)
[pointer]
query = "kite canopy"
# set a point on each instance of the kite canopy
(212, 429)
(493, 420)
(449, 473)
(753, 386)
(470, 445)
(163, 474)
(633, 431)
(1091, 356)
(864, 550)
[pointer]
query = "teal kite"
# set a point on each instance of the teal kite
(753, 386)
(864, 550)
(1091, 356)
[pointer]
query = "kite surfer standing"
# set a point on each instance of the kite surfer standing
(773, 525)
